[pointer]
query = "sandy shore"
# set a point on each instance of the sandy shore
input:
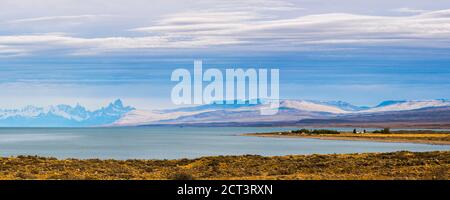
(436, 139)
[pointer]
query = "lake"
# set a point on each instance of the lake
(176, 142)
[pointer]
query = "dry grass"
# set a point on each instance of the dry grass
(431, 136)
(398, 165)
(437, 138)
(426, 138)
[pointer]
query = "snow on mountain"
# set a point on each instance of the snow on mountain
(304, 105)
(342, 105)
(62, 115)
(390, 102)
(311, 106)
(116, 114)
(142, 117)
(229, 111)
(289, 110)
(245, 116)
(217, 105)
(407, 105)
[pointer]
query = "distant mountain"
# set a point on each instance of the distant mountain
(430, 117)
(291, 112)
(407, 105)
(62, 116)
(343, 105)
(217, 105)
(246, 116)
(312, 106)
(388, 103)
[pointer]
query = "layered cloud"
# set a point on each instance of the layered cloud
(238, 25)
(428, 29)
(409, 10)
(56, 18)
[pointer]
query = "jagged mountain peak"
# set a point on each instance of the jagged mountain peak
(63, 115)
(117, 103)
(115, 108)
(116, 113)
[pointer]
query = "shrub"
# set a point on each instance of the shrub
(324, 131)
(25, 176)
(181, 176)
(317, 131)
(385, 131)
(301, 131)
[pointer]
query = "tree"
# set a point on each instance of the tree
(354, 130)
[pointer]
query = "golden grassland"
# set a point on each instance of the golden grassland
(396, 165)
(425, 138)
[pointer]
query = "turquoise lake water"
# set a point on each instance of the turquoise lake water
(176, 142)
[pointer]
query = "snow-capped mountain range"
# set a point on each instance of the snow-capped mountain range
(290, 110)
(63, 116)
(116, 114)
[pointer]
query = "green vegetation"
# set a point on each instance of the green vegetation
(397, 165)
(384, 131)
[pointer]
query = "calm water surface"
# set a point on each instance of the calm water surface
(175, 142)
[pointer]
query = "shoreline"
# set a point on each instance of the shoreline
(348, 137)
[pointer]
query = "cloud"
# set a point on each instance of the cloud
(88, 46)
(251, 30)
(6, 51)
(423, 30)
(409, 10)
(56, 18)
(253, 5)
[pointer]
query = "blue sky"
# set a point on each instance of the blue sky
(92, 52)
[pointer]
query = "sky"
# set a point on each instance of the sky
(95, 51)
